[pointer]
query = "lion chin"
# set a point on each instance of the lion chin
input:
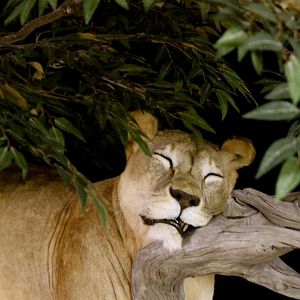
(50, 249)
(171, 235)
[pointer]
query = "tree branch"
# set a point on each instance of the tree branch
(245, 241)
(66, 9)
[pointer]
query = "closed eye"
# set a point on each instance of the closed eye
(166, 158)
(213, 174)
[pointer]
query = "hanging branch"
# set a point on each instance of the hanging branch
(245, 241)
(66, 9)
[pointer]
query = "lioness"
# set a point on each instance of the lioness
(51, 250)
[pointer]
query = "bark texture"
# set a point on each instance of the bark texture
(246, 241)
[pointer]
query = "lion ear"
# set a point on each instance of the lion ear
(148, 125)
(242, 150)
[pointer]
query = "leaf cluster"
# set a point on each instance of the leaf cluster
(69, 75)
(261, 29)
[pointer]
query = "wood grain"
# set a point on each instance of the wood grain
(246, 240)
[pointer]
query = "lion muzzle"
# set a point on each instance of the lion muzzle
(178, 224)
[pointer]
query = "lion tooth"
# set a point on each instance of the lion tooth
(185, 227)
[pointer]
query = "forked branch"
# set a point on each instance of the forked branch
(245, 241)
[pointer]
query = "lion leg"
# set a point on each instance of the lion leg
(199, 288)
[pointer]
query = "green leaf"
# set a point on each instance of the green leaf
(5, 158)
(143, 145)
(292, 73)
(136, 135)
(296, 46)
(257, 61)
(195, 131)
(67, 126)
(27, 7)
(222, 51)
(89, 7)
(125, 43)
(95, 197)
(39, 152)
(232, 37)
(204, 9)
(288, 18)
(294, 130)
(41, 6)
(61, 159)
(241, 52)
(64, 174)
(268, 87)
(263, 11)
(223, 94)
(281, 91)
(261, 41)
(269, 81)
(148, 4)
(15, 13)
(132, 68)
(101, 117)
(192, 117)
(121, 132)
(223, 104)
(235, 82)
(20, 161)
(123, 3)
(53, 3)
(80, 188)
(273, 111)
(101, 210)
(38, 125)
(289, 177)
(57, 136)
(164, 71)
(277, 153)
(204, 92)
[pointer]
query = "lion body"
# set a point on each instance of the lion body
(50, 249)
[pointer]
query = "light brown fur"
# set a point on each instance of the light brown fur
(51, 250)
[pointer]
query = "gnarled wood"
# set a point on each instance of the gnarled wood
(245, 241)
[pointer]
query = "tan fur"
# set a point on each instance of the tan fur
(51, 250)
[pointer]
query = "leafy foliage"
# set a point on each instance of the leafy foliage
(263, 28)
(67, 78)
(92, 69)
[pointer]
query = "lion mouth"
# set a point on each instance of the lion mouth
(176, 223)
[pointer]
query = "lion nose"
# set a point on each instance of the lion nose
(185, 200)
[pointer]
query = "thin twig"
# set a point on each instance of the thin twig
(66, 9)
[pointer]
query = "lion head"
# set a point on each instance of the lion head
(181, 183)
